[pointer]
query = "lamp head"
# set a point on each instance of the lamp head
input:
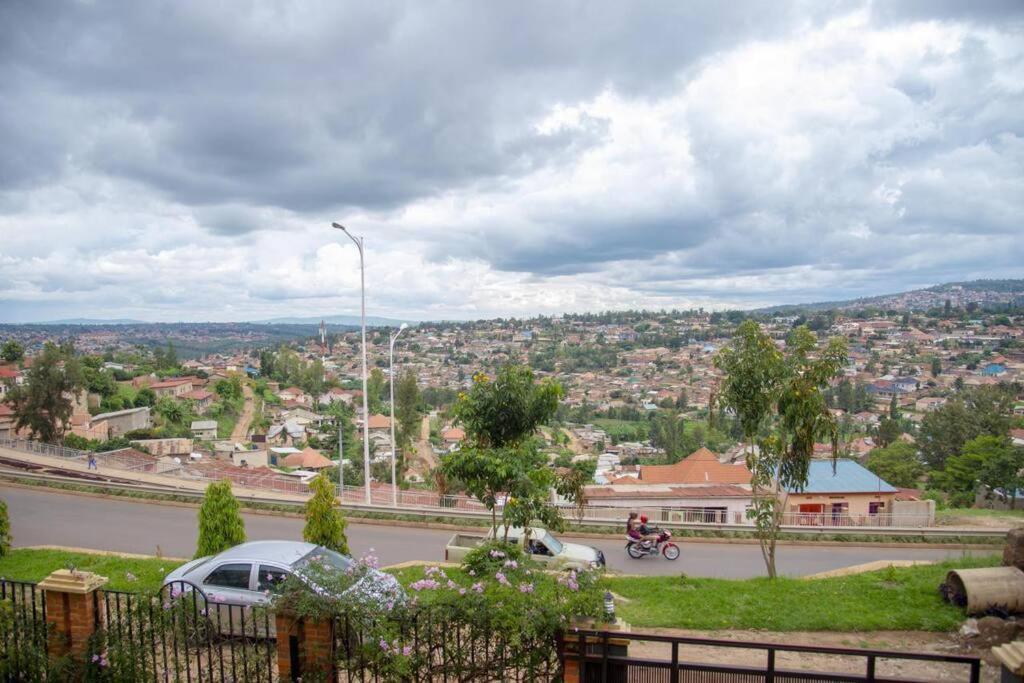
(339, 226)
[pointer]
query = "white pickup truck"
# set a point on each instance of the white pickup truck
(542, 547)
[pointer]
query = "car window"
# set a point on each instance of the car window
(270, 577)
(552, 543)
(230, 576)
(326, 557)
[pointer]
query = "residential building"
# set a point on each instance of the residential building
(204, 430)
(120, 422)
(849, 490)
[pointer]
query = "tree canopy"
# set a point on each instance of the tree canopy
(44, 404)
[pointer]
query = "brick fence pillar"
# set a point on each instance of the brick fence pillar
(304, 646)
(70, 611)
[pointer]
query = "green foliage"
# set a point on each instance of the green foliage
(897, 464)
(491, 556)
(12, 351)
(888, 431)
(668, 431)
(325, 525)
(507, 410)
(220, 524)
(500, 454)
(5, 530)
(980, 411)
(229, 389)
(991, 461)
(407, 414)
(145, 397)
(761, 382)
(44, 405)
(503, 620)
(846, 603)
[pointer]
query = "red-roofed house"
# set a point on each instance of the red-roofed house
(175, 387)
(201, 399)
(700, 467)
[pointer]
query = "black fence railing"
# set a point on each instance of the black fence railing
(22, 631)
(424, 647)
(181, 635)
(603, 660)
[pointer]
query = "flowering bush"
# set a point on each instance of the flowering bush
(492, 556)
(499, 611)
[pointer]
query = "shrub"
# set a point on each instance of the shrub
(5, 530)
(325, 525)
(220, 524)
(490, 556)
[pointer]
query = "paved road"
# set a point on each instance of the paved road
(43, 517)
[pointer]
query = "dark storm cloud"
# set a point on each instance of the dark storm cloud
(307, 107)
(747, 147)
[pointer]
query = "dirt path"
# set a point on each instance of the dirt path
(241, 430)
(423, 448)
(900, 641)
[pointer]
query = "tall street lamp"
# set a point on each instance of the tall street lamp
(394, 444)
(366, 407)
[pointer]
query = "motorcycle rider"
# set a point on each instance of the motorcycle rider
(646, 533)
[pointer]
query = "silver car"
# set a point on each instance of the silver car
(244, 575)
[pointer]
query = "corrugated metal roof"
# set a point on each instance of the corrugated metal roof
(849, 477)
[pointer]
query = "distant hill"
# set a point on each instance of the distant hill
(981, 291)
(347, 320)
(92, 321)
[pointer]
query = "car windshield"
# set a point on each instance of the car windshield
(328, 557)
(552, 544)
(198, 565)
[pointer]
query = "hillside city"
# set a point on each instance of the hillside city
(639, 416)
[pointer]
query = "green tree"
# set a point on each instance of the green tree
(500, 418)
(761, 382)
(220, 524)
(894, 408)
(229, 389)
(170, 356)
(888, 431)
(325, 525)
(407, 414)
(5, 530)
(375, 388)
(44, 404)
(171, 410)
(976, 412)
(145, 397)
(1002, 470)
(12, 351)
(897, 464)
(936, 366)
(668, 432)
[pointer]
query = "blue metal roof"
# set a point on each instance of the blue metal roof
(849, 477)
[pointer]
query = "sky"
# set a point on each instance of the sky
(184, 160)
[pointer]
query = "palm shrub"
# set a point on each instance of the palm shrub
(220, 523)
(5, 530)
(325, 525)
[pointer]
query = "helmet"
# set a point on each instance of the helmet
(643, 518)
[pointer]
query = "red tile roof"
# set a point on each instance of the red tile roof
(700, 467)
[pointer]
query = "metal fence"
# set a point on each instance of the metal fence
(422, 500)
(180, 635)
(603, 659)
(432, 649)
(22, 631)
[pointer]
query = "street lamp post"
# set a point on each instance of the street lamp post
(366, 407)
(394, 444)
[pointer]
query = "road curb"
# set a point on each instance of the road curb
(444, 526)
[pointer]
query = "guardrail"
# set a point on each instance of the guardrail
(484, 516)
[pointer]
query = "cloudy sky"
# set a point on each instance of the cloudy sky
(184, 160)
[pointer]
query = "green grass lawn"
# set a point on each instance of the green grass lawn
(954, 513)
(34, 565)
(905, 599)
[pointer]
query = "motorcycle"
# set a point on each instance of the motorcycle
(639, 549)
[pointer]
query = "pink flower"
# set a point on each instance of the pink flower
(511, 564)
(501, 579)
(462, 591)
(407, 650)
(478, 587)
(497, 553)
(526, 588)
(452, 585)
(384, 645)
(424, 584)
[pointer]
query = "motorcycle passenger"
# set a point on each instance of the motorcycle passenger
(646, 533)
